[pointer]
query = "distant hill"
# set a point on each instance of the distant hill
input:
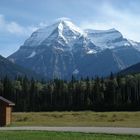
(132, 69)
(11, 70)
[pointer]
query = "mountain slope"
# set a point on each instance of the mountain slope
(132, 69)
(63, 49)
(11, 70)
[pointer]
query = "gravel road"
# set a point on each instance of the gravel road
(107, 130)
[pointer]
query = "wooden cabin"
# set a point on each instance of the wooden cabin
(5, 111)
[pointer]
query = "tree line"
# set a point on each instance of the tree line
(98, 94)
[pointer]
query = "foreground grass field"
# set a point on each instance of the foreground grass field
(39, 135)
(85, 118)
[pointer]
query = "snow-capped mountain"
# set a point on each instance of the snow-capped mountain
(110, 39)
(64, 31)
(63, 49)
(107, 39)
(135, 44)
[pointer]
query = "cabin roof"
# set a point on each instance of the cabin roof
(7, 102)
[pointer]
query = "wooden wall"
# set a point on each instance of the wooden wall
(5, 115)
(8, 115)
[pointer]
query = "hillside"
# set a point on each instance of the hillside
(7, 68)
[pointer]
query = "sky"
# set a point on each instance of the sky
(19, 18)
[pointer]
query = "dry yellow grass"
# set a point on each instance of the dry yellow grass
(85, 118)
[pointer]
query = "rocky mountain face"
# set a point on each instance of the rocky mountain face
(63, 49)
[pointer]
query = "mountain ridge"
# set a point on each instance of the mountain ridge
(63, 49)
(131, 70)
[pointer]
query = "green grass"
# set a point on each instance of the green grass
(42, 135)
(85, 118)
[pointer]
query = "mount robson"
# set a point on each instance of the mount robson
(62, 49)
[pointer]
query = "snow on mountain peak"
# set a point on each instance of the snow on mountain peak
(39, 36)
(96, 32)
(65, 30)
(105, 38)
(73, 27)
(68, 23)
(135, 45)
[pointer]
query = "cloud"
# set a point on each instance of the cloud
(125, 21)
(12, 34)
(13, 27)
(62, 18)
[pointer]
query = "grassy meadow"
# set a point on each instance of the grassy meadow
(43, 135)
(85, 118)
